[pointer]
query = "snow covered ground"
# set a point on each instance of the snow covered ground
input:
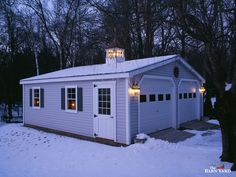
(25, 152)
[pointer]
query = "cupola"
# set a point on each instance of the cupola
(114, 54)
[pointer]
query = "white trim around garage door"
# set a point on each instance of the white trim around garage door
(174, 121)
(198, 96)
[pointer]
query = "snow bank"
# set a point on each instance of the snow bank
(26, 152)
(228, 86)
(142, 136)
(214, 121)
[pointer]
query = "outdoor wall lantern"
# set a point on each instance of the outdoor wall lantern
(202, 89)
(134, 90)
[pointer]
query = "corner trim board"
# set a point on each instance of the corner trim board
(128, 128)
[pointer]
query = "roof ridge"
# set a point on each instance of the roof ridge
(102, 69)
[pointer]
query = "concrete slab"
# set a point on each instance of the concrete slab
(172, 135)
(198, 125)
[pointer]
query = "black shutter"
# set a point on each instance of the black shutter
(80, 98)
(42, 98)
(30, 97)
(63, 98)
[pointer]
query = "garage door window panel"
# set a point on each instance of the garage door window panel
(168, 97)
(143, 98)
(190, 95)
(185, 95)
(160, 97)
(180, 96)
(152, 98)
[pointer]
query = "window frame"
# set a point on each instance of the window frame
(180, 96)
(190, 95)
(141, 100)
(105, 102)
(150, 98)
(66, 98)
(161, 97)
(168, 97)
(33, 96)
(185, 95)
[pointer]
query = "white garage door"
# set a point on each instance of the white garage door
(156, 104)
(188, 101)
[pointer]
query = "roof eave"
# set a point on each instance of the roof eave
(76, 78)
(192, 70)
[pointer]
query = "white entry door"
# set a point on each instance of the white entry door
(104, 110)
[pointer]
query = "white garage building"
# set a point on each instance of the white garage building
(169, 96)
(115, 100)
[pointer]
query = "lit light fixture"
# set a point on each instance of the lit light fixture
(202, 89)
(115, 52)
(134, 90)
(114, 55)
(193, 90)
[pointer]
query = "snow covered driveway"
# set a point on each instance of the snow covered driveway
(25, 152)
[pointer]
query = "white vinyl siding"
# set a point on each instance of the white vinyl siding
(81, 122)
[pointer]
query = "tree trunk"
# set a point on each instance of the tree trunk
(149, 32)
(36, 61)
(139, 31)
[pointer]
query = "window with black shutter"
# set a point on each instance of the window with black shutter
(63, 98)
(36, 97)
(72, 98)
(42, 98)
(30, 97)
(80, 98)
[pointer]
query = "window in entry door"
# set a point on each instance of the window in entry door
(104, 101)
